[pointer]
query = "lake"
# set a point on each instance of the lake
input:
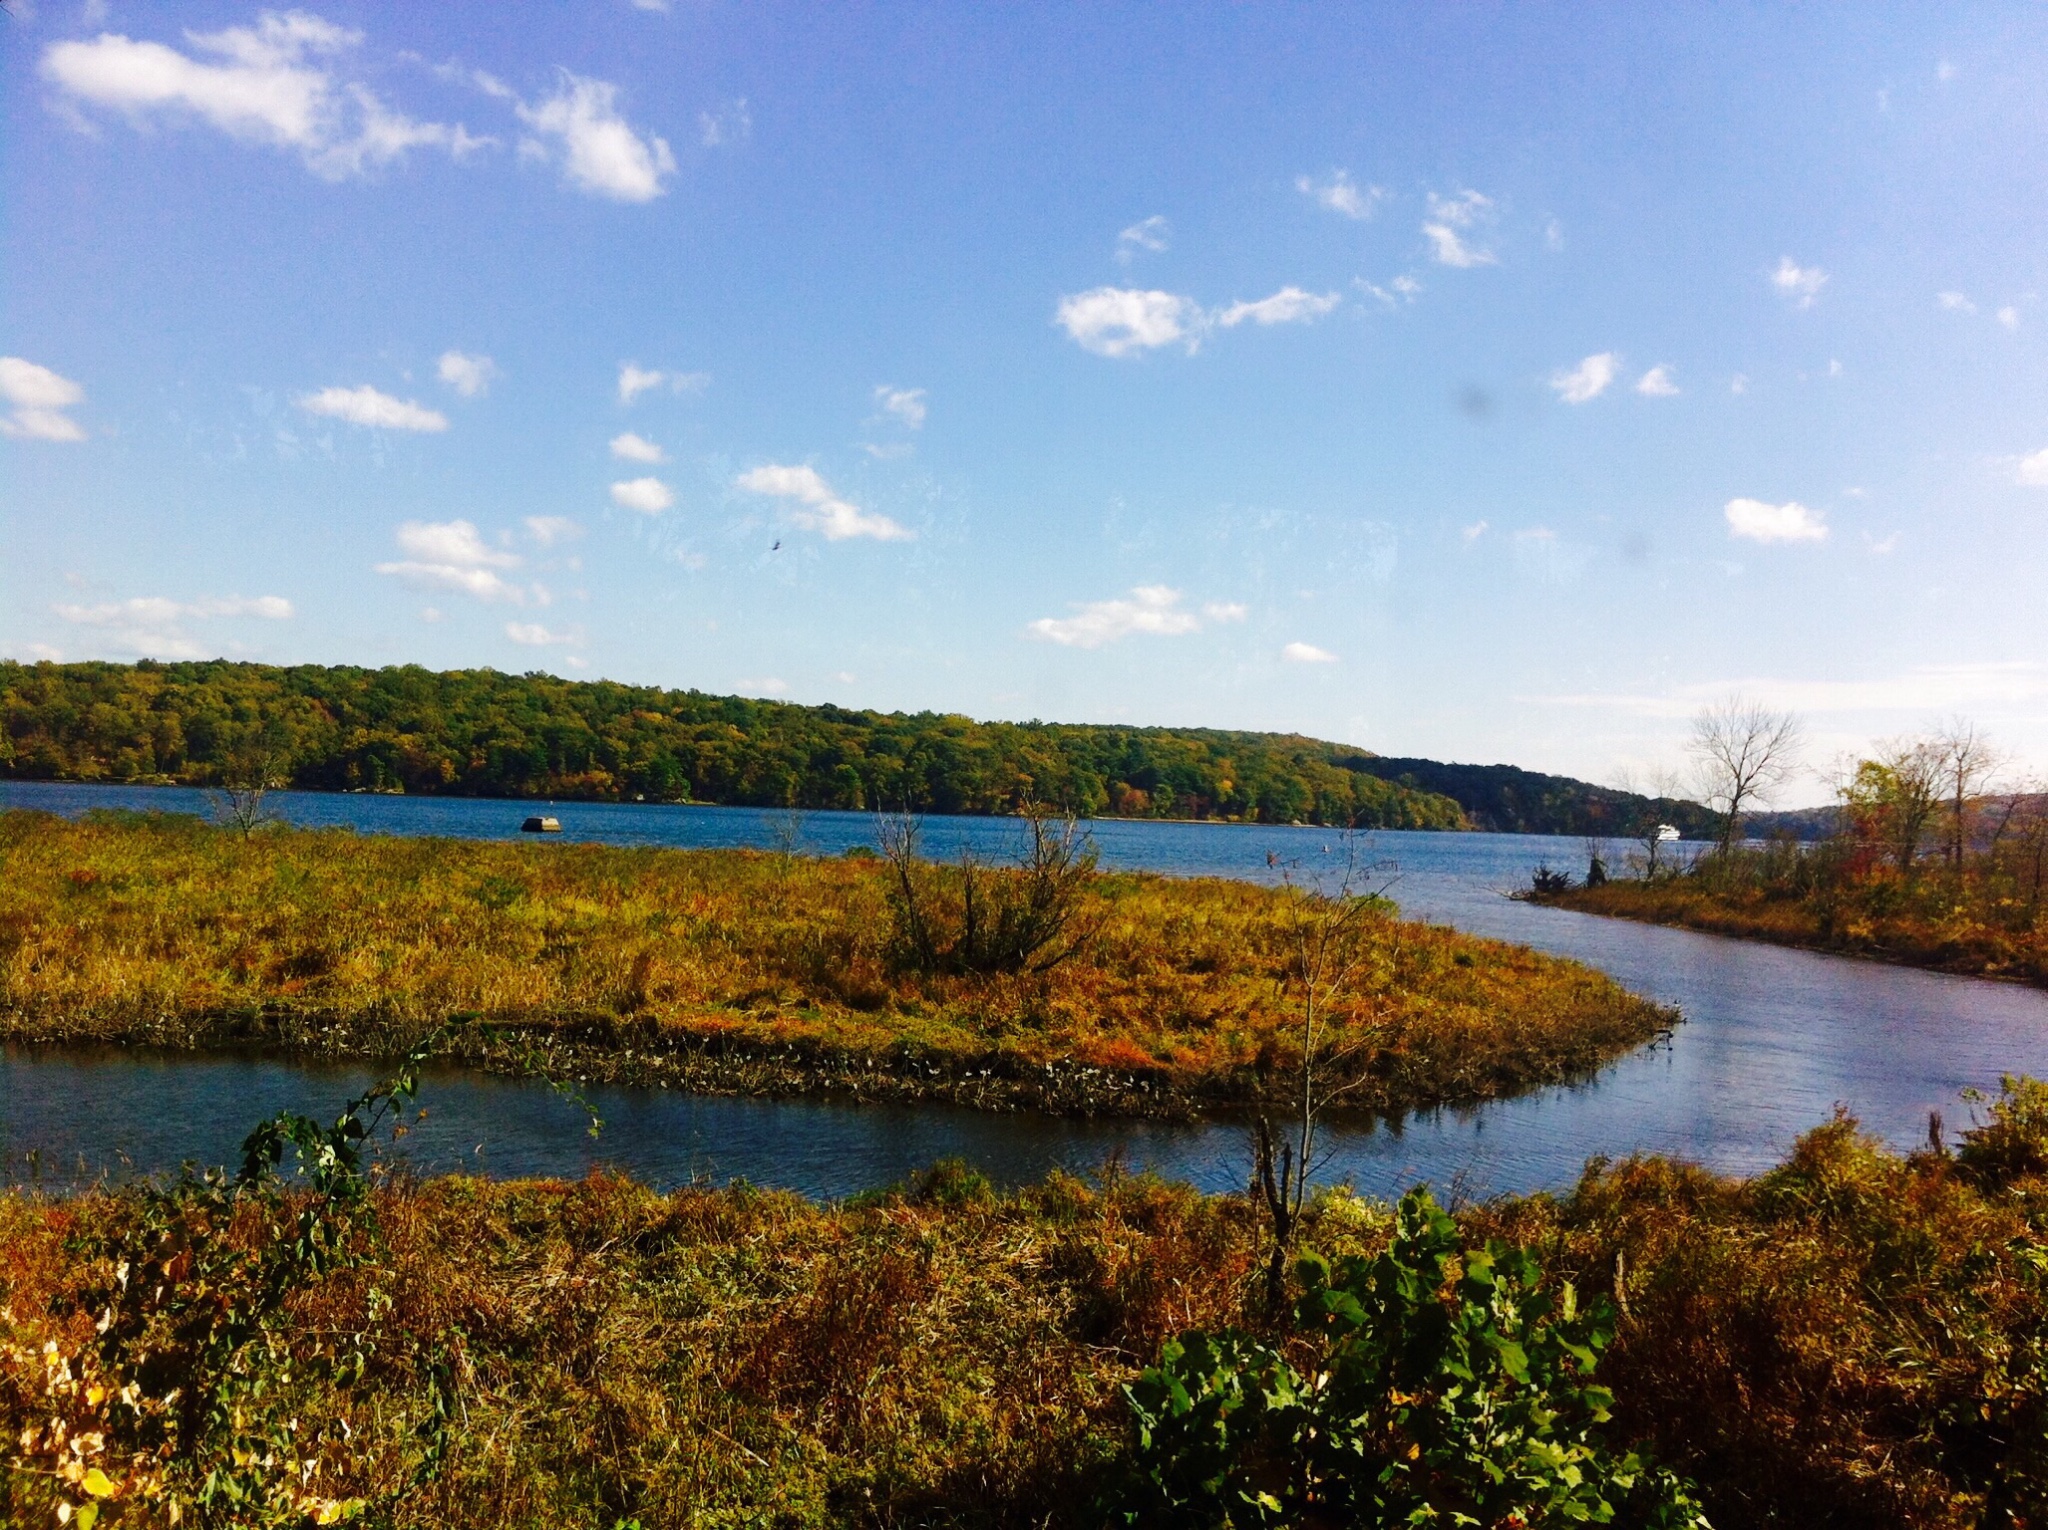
(1775, 1039)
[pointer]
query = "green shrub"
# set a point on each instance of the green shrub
(1445, 1386)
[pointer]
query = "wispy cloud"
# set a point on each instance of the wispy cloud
(629, 447)
(635, 380)
(732, 123)
(1154, 609)
(1290, 305)
(1124, 321)
(599, 150)
(270, 84)
(452, 555)
(534, 635)
(1340, 194)
(154, 625)
(1657, 383)
(1757, 521)
(1452, 220)
(36, 399)
(471, 376)
(649, 496)
(1800, 284)
(2033, 470)
(1307, 653)
(1588, 380)
(1121, 321)
(1955, 302)
(547, 530)
(378, 411)
(1151, 235)
(906, 404)
(818, 508)
(1927, 688)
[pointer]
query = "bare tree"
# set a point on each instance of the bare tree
(1966, 763)
(1743, 752)
(254, 768)
(1326, 955)
(1658, 786)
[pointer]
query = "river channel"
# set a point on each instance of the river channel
(1774, 1039)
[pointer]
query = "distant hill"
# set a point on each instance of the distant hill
(1506, 799)
(483, 733)
(486, 734)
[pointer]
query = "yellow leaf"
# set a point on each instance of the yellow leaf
(95, 1394)
(99, 1484)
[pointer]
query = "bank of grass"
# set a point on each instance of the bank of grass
(745, 972)
(1925, 921)
(1853, 1339)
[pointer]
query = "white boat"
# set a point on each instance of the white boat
(1666, 833)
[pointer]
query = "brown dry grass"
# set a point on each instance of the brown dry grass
(738, 970)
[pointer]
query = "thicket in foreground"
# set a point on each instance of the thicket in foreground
(1854, 1339)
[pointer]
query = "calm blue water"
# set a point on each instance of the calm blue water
(1775, 1039)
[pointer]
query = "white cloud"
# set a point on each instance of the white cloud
(1225, 611)
(650, 496)
(907, 404)
(39, 398)
(731, 123)
(1290, 305)
(767, 686)
(1151, 234)
(1117, 321)
(1739, 383)
(822, 511)
(1450, 219)
(468, 375)
(1151, 608)
(534, 635)
(266, 86)
(2033, 470)
(1757, 521)
(1955, 302)
(635, 448)
(1588, 380)
(1929, 688)
(366, 406)
(601, 153)
(1801, 284)
(152, 625)
(1307, 653)
(1657, 383)
(1472, 533)
(452, 555)
(2009, 317)
(1340, 194)
(550, 529)
(635, 380)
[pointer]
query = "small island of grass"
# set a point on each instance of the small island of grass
(761, 973)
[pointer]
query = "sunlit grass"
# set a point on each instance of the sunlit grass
(737, 969)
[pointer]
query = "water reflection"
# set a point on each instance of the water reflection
(1776, 1039)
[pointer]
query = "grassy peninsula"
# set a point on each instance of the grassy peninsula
(1981, 910)
(741, 971)
(1854, 1339)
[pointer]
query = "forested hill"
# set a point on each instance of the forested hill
(1506, 799)
(482, 733)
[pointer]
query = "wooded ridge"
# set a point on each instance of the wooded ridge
(484, 733)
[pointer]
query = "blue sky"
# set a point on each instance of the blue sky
(1482, 383)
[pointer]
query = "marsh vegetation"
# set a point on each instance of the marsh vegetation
(740, 971)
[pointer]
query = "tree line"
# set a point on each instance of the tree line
(484, 733)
